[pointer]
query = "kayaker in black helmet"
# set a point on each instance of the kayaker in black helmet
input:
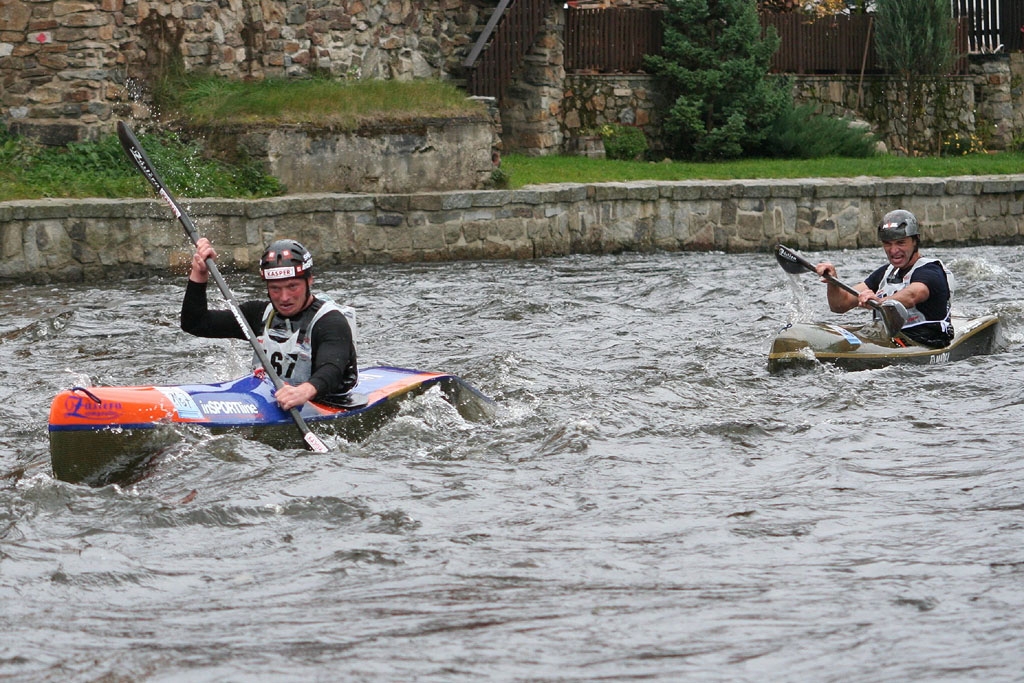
(923, 285)
(308, 340)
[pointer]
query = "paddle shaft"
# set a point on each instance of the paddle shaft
(138, 156)
(792, 256)
(785, 256)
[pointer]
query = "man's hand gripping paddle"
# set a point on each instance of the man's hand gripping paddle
(138, 157)
(892, 313)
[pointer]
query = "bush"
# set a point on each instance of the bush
(500, 179)
(627, 143)
(1017, 143)
(801, 133)
(100, 168)
(15, 151)
(960, 144)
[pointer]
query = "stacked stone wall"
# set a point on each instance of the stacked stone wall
(52, 240)
(981, 105)
(949, 108)
(67, 67)
(593, 100)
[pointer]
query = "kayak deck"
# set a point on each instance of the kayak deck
(803, 345)
(100, 435)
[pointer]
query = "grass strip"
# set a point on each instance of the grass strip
(343, 105)
(524, 170)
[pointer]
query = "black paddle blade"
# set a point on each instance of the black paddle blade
(791, 261)
(133, 148)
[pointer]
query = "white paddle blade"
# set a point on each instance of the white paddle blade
(894, 314)
(314, 443)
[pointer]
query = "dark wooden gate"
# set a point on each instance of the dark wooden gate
(506, 39)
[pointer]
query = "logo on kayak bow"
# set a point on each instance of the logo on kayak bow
(76, 406)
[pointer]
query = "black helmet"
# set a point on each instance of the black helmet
(285, 259)
(897, 225)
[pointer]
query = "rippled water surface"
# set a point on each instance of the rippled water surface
(648, 502)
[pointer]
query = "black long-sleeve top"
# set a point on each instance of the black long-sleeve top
(333, 350)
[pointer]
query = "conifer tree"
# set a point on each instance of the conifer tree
(915, 41)
(713, 66)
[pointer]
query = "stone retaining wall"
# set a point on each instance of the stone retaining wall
(948, 109)
(592, 100)
(62, 240)
(69, 67)
(413, 156)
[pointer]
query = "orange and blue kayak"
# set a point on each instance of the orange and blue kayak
(100, 435)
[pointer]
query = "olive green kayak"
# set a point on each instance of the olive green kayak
(866, 347)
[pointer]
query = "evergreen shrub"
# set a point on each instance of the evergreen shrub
(714, 64)
(801, 133)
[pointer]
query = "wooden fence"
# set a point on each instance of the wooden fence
(614, 39)
(983, 18)
(835, 45)
(1011, 25)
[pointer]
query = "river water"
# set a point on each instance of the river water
(646, 503)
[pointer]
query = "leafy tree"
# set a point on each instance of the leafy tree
(714, 66)
(816, 8)
(915, 40)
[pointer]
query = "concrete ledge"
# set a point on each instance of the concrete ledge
(92, 239)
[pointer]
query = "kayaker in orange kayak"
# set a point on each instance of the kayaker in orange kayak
(308, 339)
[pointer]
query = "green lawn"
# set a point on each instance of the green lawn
(533, 170)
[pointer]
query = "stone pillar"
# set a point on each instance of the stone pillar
(1017, 93)
(993, 99)
(532, 112)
